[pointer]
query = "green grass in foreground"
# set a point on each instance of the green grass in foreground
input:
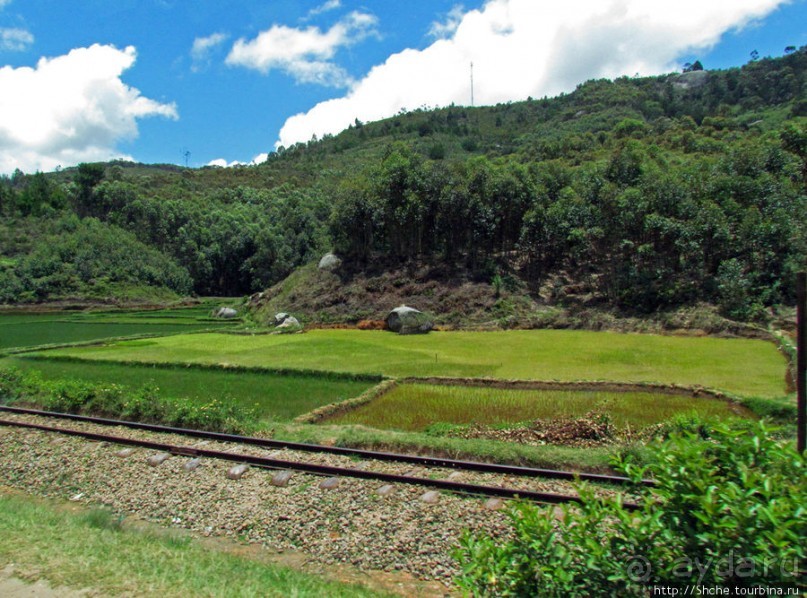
(414, 407)
(275, 397)
(91, 550)
(742, 366)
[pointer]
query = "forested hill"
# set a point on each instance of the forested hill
(641, 193)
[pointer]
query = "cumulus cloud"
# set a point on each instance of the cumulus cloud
(70, 109)
(13, 39)
(523, 48)
(305, 54)
(202, 47)
(446, 28)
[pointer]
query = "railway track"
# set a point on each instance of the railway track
(320, 469)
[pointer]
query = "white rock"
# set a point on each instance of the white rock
(329, 261)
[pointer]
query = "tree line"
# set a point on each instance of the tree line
(648, 192)
(653, 223)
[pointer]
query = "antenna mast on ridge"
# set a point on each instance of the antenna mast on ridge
(472, 84)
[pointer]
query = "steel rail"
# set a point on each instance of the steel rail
(266, 462)
(516, 470)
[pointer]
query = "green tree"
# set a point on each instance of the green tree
(86, 178)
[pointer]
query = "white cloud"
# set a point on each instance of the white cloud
(523, 48)
(222, 163)
(70, 109)
(441, 29)
(203, 46)
(305, 54)
(324, 7)
(13, 39)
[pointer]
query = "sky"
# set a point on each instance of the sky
(224, 82)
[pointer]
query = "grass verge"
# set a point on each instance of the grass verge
(93, 550)
(596, 459)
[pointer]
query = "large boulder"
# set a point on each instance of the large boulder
(225, 313)
(329, 261)
(290, 324)
(280, 318)
(408, 320)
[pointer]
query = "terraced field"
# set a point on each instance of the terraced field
(280, 377)
(31, 330)
(414, 407)
(740, 366)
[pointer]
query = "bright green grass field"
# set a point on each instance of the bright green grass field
(742, 366)
(31, 330)
(412, 407)
(274, 397)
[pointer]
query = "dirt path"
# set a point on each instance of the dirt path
(12, 586)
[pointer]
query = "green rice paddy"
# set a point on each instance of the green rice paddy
(273, 397)
(413, 407)
(33, 330)
(741, 366)
(749, 368)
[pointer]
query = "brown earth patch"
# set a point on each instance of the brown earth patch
(592, 429)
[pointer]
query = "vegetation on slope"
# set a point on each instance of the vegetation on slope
(633, 194)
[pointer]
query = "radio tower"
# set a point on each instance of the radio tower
(472, 85)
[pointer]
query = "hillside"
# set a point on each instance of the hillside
(635, 195)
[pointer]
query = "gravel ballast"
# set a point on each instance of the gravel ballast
(349, 523)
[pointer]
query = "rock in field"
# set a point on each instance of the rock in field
(408, 320)
(289, 324)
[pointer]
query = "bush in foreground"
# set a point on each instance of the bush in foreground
(729, 510)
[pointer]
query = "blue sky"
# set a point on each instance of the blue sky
(228, 81)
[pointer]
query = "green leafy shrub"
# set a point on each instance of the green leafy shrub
(110, 400)
(728, 511)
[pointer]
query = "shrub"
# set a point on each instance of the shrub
(727, 511)
(110, 400)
